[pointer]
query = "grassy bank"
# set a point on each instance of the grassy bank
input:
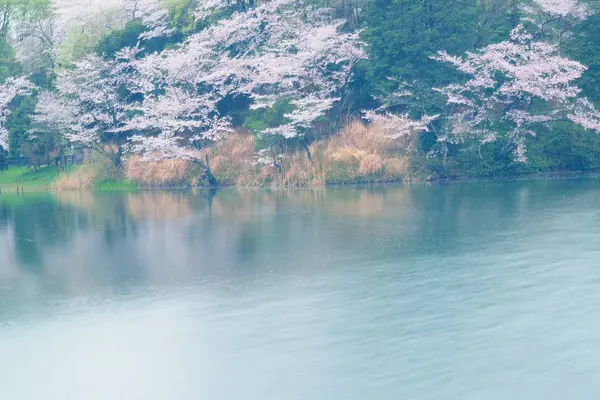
(28, 179)
(48, 178)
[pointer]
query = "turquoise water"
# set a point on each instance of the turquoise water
(464, 291)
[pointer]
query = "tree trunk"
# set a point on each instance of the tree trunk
(508, 145)
(444, 153)
(212, 181)
(307, 149)
(118, 157)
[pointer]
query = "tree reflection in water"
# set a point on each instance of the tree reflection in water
(72, 242)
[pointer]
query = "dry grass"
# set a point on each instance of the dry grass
(343, 155)
(369, 138)
(98, 168)
(370, 164)
(359, 153)
(396, 166)
(82, 178)
(366, 153)
(231, 161)
(299, 171)
(160, 173)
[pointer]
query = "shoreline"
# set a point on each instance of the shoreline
(30, 187)
(558, 175)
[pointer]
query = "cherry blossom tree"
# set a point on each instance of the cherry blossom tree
(154, 17)
(54, 119)
(175, 119)
(512, 87)
(572, 9)
(96, 95)
(554, 19)
(9, 90)
(301, 56)
(35, 44)
(176, 124)
(280, 49)
(139, 8)
(80, 25)
(54, 112)
(33, 35)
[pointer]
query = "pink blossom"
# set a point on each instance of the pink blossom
(398, 125)
(504, 80)
(9, 90)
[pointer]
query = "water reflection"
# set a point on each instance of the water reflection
(467, 291)
(72, 242)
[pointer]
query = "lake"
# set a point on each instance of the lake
(458, 291)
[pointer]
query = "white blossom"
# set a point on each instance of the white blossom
(278, 50)
(564, 8)
(505, 81)
(9, 90)
(399, 125)
(583, 113)
(54, 112)
(94, 91)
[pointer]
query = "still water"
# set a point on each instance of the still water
(463, 291)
